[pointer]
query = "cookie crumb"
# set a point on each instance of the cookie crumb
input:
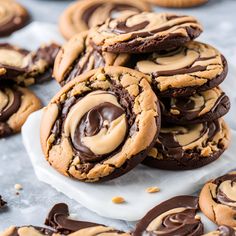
(197, 217)
(118, 200)
(153, 190)
(18, 187)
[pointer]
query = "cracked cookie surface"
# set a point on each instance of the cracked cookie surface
(176, 216)
(186, 70)
(189, 147)
(86, 14)
(145, 32)
(218, 200)
(117, 123)
(16, 104)
(78, 56)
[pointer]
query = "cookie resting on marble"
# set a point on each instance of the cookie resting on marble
(201, 107)
(217, 200)
(190, 146)
(16, 104)
(186, 70)
(117, 123)
(145, 32)
(83, 15)
(25, 67)
(13, 17)
(177, 3)
(176, 216)
(78, 56)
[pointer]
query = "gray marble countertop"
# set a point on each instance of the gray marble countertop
(36, 198)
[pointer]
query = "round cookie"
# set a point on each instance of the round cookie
(186, 70)
(58, 219)
(176, 216)
(101, 124)
(222, 231)
(78, 56)
(25, 67)
(201, 107)
(13, 17)
(178, 3)
(83, 15)
(145, 32)
(189, 147)
(217, 200)
(16, 104)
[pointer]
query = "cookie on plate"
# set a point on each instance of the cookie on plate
(217, 200)
(16, 104)
(13, 17)
(176, 216)
(189, 147)
(186, 70)
(145, 32)
(83, 15)
(101, 124)
(58, 218)
(25, 67)
(222, 231)
(201, 107)
(78, 56)
(178, 3)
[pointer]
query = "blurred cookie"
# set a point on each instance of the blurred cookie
(184, 71)
(178, 3)
(83, 15)
(101, 124)
(145, 32)
(176, 216)
(13, 17)
(217, 200)
(25, 67)
(189, 147)
(16, 104)
(78, 56)
(201, 107)
(222, 231)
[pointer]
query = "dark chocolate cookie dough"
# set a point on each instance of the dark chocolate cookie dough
(176, 216)
(189, 147)
(101, 124)
(145, 32)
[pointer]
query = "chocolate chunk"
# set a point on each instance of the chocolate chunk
(2, 203)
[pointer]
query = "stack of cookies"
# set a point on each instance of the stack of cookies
(136, 88)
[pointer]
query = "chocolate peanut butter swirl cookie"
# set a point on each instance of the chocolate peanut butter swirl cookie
(218, 200)
(78, 56)
(181, 72)
(13, 16)
(83, 15)
(101, 124)
(190, 146)
(25, 67)
(145, 32)
(201, 107)
(16, 104)
(176, 216)
(222, 231)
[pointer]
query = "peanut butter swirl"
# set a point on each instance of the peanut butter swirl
(145, 32)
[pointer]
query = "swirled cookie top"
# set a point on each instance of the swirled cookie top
(100, 118)
(191, 65)
(130, 26)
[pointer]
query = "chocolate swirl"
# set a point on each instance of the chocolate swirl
(176, 216)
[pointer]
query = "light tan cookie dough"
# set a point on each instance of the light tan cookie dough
(83, 15)
(183, 71)
(16, 104)
(177, 3)
(145, 32)
(101, 124)
(217, 200)
(78, 56)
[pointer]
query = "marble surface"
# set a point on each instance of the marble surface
(34, 201)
